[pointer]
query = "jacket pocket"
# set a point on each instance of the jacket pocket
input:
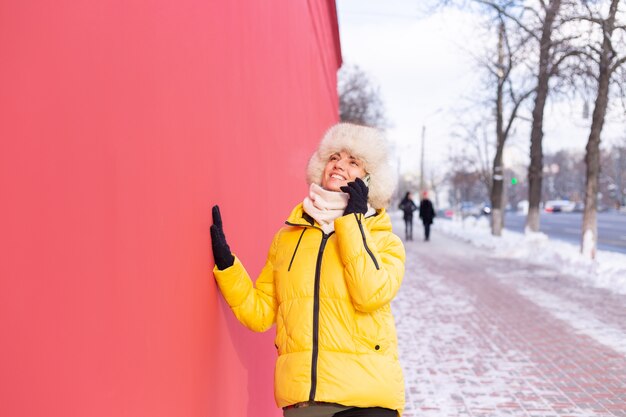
(373, 332)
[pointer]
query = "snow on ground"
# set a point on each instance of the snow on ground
(579, 318)
(448, 365)
(607, 271)
(482, 336)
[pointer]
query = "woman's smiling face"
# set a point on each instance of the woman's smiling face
(341, 169)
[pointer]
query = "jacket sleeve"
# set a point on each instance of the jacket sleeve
(253, 305)
(373, 268)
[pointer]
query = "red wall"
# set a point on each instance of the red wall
(121, 124)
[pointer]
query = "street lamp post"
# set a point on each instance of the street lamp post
(422, 182)
(422, 156)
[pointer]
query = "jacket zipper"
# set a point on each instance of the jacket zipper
(316, 306)
(365, 242)
(316, 295)
(316, 314)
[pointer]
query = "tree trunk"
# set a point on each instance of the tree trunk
(497, 196)
(497, 181)
(589, 239)
(535, 170)
(590, 228)
(497, 212)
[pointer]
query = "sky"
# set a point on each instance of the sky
(422, 62)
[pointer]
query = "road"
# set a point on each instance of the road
(567, 227)
(483, 335)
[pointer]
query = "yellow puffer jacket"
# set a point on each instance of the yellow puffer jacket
(329, 296)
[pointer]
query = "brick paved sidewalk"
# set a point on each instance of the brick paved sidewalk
(482, 336)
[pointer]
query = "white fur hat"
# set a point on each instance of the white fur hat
(366, 144)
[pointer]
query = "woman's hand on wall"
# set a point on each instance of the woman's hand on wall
(358, 192)
(221, 251)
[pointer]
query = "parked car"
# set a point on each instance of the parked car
(557, 206)
(446, 213)
(522, 206)
(469, 208)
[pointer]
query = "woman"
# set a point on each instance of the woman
(408, 207)
(330, 276)
(427, 214)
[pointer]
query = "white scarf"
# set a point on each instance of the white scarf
(325, 206)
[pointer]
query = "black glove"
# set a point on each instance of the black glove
(358, 197)
(221, 251)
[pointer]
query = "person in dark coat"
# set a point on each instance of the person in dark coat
(427, 214)
(408, 207)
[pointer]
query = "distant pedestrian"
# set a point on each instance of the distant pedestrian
(408, 207)
(427, 214)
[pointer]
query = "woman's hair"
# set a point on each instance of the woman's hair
(366, 144)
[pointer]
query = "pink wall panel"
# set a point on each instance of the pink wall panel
(121, 123)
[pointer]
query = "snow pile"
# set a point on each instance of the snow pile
(607, 271)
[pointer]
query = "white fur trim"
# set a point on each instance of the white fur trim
(365, 143)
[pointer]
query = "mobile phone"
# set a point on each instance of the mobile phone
(366, 179)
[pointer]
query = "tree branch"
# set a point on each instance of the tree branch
(509, 16)
(543, 4)
(513, 114)
(597, 51)
(618, 63)
(590, 56)
(564, 40)
(587, 19)
(555, 67)
(533, 11)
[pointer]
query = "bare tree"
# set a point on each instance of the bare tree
(615, 164)
(474, 156)
(469, 170)
(564, 173)
(507, 83)
(612, 183)
(543, 24)
(465, 186)
(507, 86)
(545, 71)
(605, 53)
(537, 23)
(506, 62)
(360, 100)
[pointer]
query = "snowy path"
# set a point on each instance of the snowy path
(481, 335)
